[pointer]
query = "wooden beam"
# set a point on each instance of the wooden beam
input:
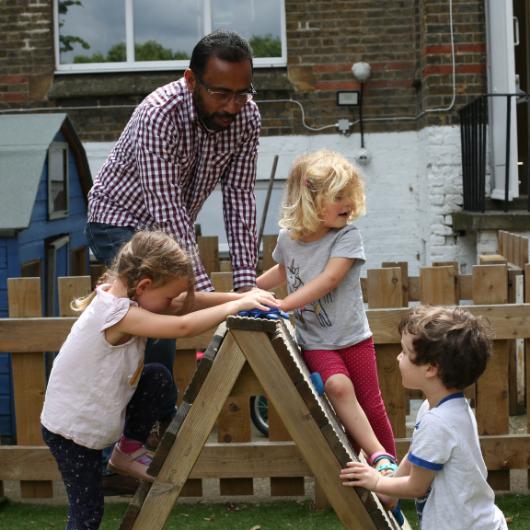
(303, 428)
(191, 437)
(257, 459)
(48, 334)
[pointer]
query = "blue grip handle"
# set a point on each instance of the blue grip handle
(316, 379)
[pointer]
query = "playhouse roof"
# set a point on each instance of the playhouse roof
(24, 142)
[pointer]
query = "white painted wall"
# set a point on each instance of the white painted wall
(413, 185)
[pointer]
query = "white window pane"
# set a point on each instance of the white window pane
(257, 20)
(166, 29)
(91, 31)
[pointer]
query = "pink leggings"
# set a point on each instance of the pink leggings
(358, 363)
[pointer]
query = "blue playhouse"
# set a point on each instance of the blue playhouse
(44, 182)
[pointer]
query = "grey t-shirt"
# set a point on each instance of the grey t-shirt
(338, 319)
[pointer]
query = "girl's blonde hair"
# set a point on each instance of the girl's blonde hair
(153, 255)
(316, 179)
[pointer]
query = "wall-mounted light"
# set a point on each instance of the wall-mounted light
(348, 98)
(362, 72)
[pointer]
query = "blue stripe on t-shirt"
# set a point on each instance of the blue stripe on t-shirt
(417, 461)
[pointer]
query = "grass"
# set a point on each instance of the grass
(269, 516)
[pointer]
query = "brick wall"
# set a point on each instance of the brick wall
(26, 52)
(406, 42)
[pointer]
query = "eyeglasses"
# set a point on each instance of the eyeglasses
(225, 96)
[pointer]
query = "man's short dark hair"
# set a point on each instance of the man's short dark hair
(451, 338)
(225, 45)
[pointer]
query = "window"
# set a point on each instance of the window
(57, 180)
(98, 35)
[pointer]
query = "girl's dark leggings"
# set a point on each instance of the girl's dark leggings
(80, 466)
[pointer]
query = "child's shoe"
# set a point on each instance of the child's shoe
(134, 464)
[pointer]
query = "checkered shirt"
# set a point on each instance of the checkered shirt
(165, 165)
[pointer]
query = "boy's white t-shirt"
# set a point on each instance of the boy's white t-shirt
(92, 381)
(445, 440)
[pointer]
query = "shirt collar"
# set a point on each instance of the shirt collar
(456, 395)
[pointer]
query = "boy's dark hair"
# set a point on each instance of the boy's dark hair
(225, 45)
(451, 338)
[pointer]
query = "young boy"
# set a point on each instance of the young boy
(444, 351)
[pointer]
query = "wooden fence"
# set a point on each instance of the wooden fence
(236, 458)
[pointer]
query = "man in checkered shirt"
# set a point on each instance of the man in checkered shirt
(181, 141)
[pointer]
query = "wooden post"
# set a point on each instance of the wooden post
(209, 252)
(527, 353)
(234, 419)
(286, 486)
(438, 285)
(69, 288)
(24, 298)
(192, 435)
(490, 286)
(404, 266)
(385, 290)
(269, 243)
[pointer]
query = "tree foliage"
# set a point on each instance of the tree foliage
(146, 51)
(266, 45)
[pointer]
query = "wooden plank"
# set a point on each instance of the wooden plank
(29, 385)
(492, 259)
(501, 242)
(259, 459)
(404, 266)
(438, 285)
(48, 334)
(515, 284)
(304, 430)
(191, 437)
(269, 243)
(385, 288)
(233, 425)
(209, 252)
(465, 286)
(222, 281)
(28, 334)
(184, 368)
(523, 252)
(281, 485)
(490, 285)
(247, 384)
(70, 288)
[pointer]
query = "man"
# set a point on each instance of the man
(181, 141)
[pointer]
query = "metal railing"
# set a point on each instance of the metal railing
(473, 137)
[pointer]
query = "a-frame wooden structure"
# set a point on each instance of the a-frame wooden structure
(273, 355)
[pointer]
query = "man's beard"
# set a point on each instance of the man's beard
(209, 120)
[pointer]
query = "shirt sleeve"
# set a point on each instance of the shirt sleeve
(156, 142)
(349, 244)
(432, 443)
(239, 206)
(277, 254)
(118, 309)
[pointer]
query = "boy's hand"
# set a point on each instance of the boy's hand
(358, 474)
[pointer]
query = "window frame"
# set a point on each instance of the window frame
(135, 66)
(52, 213)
